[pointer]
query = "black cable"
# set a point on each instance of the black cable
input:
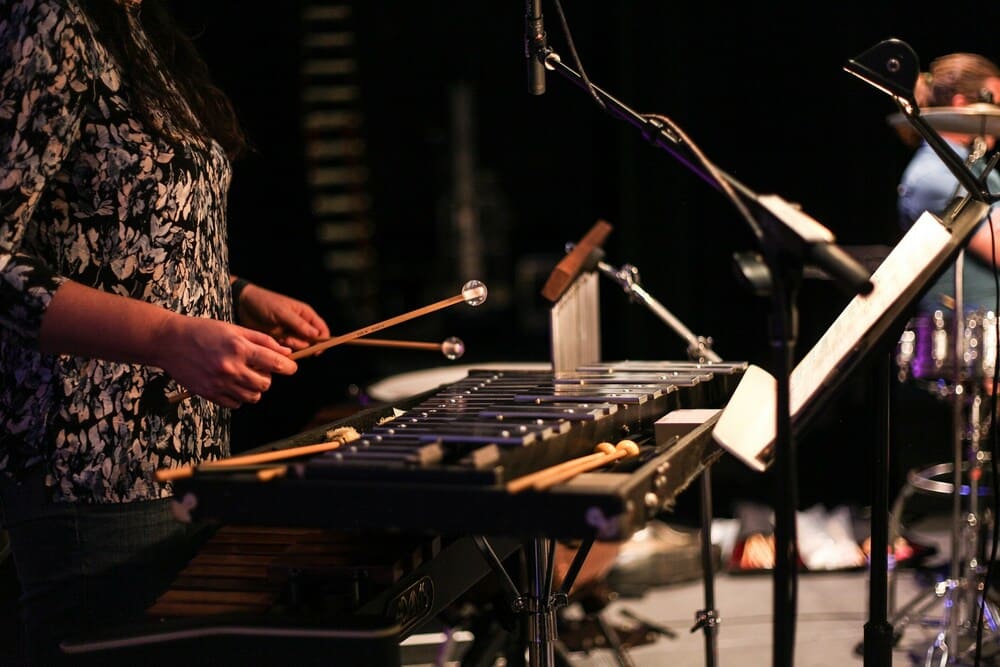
(576, 58)
(720, 179)
(723, 182)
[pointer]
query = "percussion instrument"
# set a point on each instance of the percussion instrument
(455, 449)
(980, 118)
(926, 351)
(424, 481)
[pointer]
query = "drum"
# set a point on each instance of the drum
(926, 350)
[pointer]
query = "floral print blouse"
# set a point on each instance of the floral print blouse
(88, 194)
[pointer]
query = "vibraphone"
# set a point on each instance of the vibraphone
(437, 466)
(439, 462)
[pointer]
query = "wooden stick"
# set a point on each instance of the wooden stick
(622, 449)
(604, 449)
(344, 436)
(478, 293)
(452, 347)
(267, 474)
(378, 326)
(405, 344)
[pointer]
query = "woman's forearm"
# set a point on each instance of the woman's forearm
(88, 322)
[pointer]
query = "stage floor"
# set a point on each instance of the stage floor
(829, 628)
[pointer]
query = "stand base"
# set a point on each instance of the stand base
(938, 652)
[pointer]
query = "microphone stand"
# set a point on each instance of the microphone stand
(700, 350)
(787, 239)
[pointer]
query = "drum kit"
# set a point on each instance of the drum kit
(934, 349)
(952, 353)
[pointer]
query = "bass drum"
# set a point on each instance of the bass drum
(404, 385)
(926, 351)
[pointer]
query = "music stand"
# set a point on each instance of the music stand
(788, 239)
(921, 256)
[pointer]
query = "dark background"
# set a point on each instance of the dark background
(758, 87)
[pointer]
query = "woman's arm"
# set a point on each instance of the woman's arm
(223, 362)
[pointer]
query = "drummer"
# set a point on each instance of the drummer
(956, 80)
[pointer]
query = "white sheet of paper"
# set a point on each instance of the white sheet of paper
(746, 427)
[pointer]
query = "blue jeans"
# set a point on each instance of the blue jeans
(83, 567)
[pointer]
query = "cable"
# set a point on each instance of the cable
(721, 181)
(576, 58)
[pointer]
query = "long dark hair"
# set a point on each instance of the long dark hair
(214, 116)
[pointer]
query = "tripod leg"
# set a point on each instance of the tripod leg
(614, 642)
(895, 531)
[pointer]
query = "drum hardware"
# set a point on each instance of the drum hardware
(964, 603)
(963, 369)
(962, 592)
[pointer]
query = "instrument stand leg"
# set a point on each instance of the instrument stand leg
(708, 618)
(539, 605)
(536, 608)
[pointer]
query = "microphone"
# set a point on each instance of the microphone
(534, 44)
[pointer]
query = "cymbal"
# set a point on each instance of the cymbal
(978, 118)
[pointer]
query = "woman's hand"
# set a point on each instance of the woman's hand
(291, 322)
(225, 363)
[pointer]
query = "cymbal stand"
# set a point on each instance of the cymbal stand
(699, 349)
(964, 590)
(962, 593)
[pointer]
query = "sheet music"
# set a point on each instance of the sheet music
(746, 427)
